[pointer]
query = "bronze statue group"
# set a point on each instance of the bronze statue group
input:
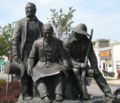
(47, 62)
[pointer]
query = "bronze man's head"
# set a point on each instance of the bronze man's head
(30, 9)
(80, 31)
(48, 30)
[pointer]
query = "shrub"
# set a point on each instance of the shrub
(12, 94)
(8, 99)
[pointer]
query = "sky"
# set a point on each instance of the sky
(101, 15)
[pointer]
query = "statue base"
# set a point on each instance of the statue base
(95, 99)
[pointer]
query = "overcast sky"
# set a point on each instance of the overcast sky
(101, 15)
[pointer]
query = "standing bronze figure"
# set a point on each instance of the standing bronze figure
(45, 64)
(77, 46)
(26, 31)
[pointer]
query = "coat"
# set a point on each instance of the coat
(46, 58)
(19, 37)
(78, 49)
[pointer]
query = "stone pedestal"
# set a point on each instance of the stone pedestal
(92, 100)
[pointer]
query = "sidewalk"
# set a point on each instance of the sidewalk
(113, 82)
(5, 76)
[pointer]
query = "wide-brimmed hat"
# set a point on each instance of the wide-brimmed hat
(13, 68)
(81, 29)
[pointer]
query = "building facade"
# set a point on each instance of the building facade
(108, 55)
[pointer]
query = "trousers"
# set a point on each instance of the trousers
(52, 84)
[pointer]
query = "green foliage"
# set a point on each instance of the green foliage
(2, 81)
(62, 21)
(5, 35)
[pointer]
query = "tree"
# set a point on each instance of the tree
(62, 21)
(5, 36)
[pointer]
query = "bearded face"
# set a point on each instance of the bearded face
(30, 10)
(48, 30)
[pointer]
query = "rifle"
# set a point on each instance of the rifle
(83, 75)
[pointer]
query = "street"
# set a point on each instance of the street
(94, 90)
